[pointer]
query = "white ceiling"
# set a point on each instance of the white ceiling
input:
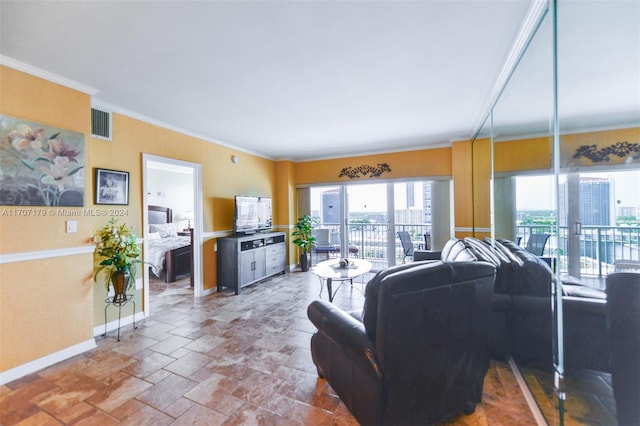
(282, 79)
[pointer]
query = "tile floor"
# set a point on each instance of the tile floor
(590, 399)
(223, 359)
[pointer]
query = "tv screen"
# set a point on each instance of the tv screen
(265, 218)
(252, 214)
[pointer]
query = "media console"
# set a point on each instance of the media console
(247, 259)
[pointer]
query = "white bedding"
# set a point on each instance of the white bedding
(156, 249)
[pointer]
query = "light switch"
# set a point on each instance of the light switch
(72, 226)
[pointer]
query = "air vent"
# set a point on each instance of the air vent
(101, 124)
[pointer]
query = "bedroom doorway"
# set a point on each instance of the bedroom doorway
(183, 204)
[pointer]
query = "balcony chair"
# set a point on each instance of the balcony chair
(407, 245)
(322, 243)
(419, 351)
(536, 243)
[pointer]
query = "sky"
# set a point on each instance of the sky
(373, 197)
(534, 192)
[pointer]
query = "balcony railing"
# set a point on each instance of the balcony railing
(370, 239)
(600, 246)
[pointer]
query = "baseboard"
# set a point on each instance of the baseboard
(46, 361)
(208, 291)
(113, 325)
(526, 392)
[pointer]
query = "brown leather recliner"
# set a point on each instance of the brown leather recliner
(421, 351)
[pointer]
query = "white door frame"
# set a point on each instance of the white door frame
(197, 218)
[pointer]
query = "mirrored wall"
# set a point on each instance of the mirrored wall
(563, 140)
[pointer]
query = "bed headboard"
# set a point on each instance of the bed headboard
(159, 214)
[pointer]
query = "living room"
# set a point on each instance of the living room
(49, 271)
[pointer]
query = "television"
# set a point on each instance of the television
(252, 214)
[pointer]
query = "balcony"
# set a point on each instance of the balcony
(600, 246)
(371, 239)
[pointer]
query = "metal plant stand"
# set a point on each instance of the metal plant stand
(119, 300)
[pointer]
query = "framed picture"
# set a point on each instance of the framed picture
(40, 165)
(111, 187)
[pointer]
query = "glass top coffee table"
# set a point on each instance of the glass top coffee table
(330, 270)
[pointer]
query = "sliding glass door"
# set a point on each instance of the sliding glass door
(368, 227)
(363, 219)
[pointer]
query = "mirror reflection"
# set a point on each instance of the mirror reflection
(568, 195)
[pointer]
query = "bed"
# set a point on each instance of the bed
(167, 249)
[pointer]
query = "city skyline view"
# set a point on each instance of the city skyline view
(535, 192)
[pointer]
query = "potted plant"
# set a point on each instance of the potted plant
(304, 239)
(117, 246)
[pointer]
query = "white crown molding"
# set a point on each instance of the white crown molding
(165, 125)
(55, 78)
(46, 361)
(29, 69)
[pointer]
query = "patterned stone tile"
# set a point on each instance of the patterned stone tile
(188, 363)
(251, 415)
(198, 415)
(149, 364)
(222, 359)
(170, 344)
(166, 392)
(41, 418)
(147, 416)
(114, 396)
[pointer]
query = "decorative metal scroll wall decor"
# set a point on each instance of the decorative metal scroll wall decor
(620, 149)
(364, 170)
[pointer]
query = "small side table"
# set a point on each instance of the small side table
(329, 271)
(119, 302)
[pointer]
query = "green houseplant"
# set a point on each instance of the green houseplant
(116, 245)
(304, 239)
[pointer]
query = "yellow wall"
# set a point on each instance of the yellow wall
(569, 144)
(56, 304)
(524, 154)
(481, 186)
(407, 164)
(462, 157)
(222, 180)
(536, 153)
(284, 211)
(45, 305)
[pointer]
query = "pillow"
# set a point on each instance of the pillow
(164, 229)
(153, 236)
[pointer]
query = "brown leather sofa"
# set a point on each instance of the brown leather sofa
(418, 353)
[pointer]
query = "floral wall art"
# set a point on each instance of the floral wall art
(40, 165)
